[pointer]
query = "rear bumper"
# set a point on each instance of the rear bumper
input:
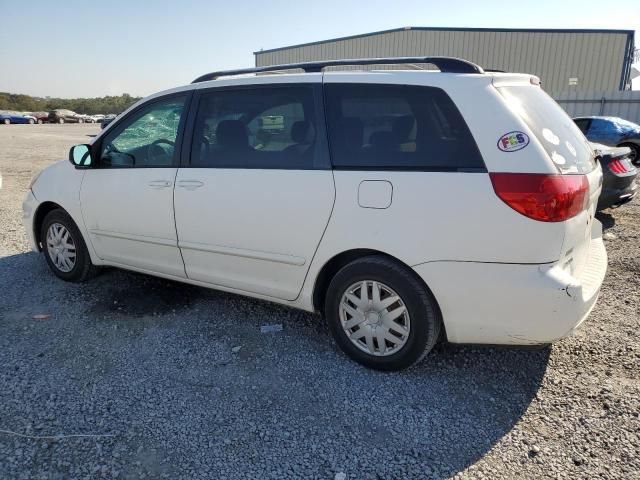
(515, 304)
(618, 193)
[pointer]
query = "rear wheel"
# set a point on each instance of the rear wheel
(31, 121)
(64, 248)
(80, 120)
(7, 121)
(61, 120)
(381, 315)
(40, 122)
(634, 156)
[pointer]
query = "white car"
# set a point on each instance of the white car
(406, 206)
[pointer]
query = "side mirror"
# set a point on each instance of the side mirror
(80, 156)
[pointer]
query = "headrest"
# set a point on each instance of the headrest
(383, 141)
(232, 133)
(301, 132)
(402, 127)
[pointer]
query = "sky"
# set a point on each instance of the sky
(80, 48)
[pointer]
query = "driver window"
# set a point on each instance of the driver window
(147, 139)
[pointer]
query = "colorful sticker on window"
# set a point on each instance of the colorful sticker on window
(513, 141)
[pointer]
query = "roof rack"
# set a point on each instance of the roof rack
(444, 64)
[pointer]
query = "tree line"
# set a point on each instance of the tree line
(87, 106)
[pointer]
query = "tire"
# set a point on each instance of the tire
(422, 317)
(82, 268)
(31, 121)
(80, 120)
(61, 120)
(7, 121)
(40, 122)
(635, 153)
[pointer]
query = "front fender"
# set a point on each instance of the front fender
(60, 184)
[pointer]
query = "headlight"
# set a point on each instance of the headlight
(33, 180)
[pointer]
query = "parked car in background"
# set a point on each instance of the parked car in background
(16, 117)
(65, 116)
(619, 184)
(613, 132)
(345, 192)
(97, 118)
(107, 120)
(41, 117)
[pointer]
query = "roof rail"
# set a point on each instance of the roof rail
(444, 64)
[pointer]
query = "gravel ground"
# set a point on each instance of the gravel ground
(150, 372)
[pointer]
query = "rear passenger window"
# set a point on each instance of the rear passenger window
(398, 127)
(261, 127)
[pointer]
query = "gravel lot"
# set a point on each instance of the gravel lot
(152, 367)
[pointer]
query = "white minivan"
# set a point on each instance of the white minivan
(406, 206)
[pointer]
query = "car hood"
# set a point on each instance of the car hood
(54, 174)
(55, 168)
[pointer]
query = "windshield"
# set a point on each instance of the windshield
(561, 138)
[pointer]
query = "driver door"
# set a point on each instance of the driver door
(127, 199)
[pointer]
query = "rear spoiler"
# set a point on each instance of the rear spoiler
(513, 79)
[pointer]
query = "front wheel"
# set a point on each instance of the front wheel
(31, 121)
(381, 314)
(64, 248)
(7, 121)
(61, 120)
(40, 122)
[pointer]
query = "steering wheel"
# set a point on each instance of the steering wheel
(155, 153)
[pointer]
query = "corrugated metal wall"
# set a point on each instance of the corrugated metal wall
(595, 59)
(615, 104)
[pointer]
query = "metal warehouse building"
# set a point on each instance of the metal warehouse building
(585, 59)
(585, 70)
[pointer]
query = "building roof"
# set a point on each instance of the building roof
(629, 33)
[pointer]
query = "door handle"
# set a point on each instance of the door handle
(190, 184)
(159, 183)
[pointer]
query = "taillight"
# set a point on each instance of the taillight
(547, 198)
(618, 166)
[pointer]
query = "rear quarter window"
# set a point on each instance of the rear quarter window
(398, 127)
(555, 130)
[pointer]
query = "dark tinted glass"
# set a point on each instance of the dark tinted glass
(397, 127)
(261, 127)
(583, 124)
(600, 126)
